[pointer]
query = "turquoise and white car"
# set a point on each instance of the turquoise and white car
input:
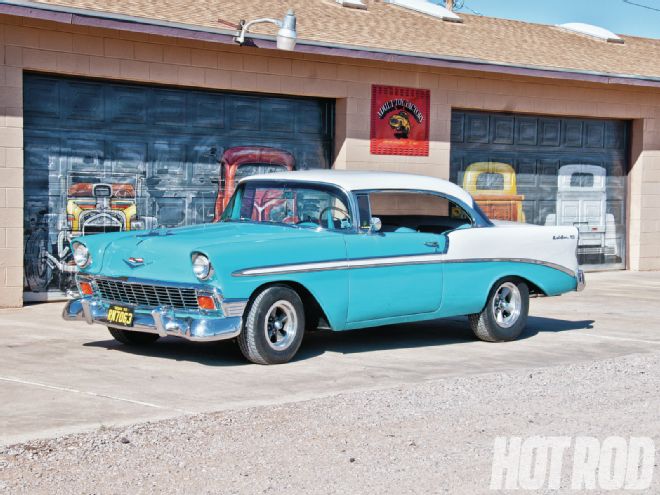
(344, 250)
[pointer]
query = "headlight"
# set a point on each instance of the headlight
(201, 266)
(81, 255)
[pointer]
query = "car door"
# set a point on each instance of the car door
(393, 274)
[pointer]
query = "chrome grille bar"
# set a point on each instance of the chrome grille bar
(146, 294)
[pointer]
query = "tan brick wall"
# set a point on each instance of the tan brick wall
(28, 44)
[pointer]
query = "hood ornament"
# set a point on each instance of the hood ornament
(134, 262)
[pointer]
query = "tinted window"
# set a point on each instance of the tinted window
(581, 179)
(488, 181)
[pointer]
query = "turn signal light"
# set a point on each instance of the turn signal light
(86, 288)
(206, 302)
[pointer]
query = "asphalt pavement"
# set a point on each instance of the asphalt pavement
(60, 377)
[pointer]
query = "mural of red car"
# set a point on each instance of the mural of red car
(242, 161)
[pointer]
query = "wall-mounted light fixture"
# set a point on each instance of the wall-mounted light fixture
(286, 36)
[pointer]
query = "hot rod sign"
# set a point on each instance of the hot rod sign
(399, 121)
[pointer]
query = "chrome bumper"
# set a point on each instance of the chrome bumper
(195, 326)
(581, 282)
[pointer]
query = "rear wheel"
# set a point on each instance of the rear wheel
(130, 337)
(505, 315)
(274, 326)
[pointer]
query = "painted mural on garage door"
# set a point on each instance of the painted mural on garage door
(104, 157)
(548, 171)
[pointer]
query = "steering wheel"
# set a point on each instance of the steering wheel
(333, 218)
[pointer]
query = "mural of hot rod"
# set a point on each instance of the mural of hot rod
(94, 204)
(493, 186)
(242, 161)
(582, 202)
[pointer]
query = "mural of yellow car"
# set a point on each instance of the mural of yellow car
(493, 186)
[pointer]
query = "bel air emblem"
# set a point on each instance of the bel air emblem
(134, 262)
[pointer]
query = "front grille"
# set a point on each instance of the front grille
(146, 295)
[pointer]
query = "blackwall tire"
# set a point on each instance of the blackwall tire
(505, 315)
(130, 337)
(274, 326)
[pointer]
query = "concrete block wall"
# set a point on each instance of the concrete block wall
(35, 45)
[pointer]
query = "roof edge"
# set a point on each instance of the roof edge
(108, 20)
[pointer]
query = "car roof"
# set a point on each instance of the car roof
(351, 180)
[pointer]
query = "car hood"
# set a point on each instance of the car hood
(166, 253)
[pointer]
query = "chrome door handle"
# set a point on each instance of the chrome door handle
(432, 244)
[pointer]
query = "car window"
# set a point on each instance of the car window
(291, 204)
(248, 169)
(581, 179)
(489, 181)
(406, 212)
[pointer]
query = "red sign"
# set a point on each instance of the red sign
(399, 121)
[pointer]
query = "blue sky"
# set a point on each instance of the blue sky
(615, 15)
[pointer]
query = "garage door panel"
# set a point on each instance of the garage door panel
(168, 108)
(526, 131)
(572, 132)
(614, 135)
(549, 132)
(543, 155)
(128, 105)
(84, 102)
(594, 135)
(41, 98)
(244, 113)
(457, 127)
(477, 128)
(503, 129)
(166, 141)
(208, 111)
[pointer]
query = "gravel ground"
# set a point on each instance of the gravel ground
(433, 437)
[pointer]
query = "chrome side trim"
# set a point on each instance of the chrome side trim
(549, 264)
(377, 262)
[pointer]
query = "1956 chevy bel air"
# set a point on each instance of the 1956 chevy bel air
(344, 250)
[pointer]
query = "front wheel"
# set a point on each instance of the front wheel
(129, 337)
(505, 315)
(274, 326)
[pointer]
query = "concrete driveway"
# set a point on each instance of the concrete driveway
(60, 377)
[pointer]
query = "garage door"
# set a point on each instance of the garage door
(103, 156)
(548, 171)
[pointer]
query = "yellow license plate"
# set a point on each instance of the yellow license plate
(120, 315)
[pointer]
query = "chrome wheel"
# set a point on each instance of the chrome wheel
(506, 305)
(281, 325)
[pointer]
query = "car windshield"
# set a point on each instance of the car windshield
(298, 205)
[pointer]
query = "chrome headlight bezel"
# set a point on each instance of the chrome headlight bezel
(201, 266)
(81, 255)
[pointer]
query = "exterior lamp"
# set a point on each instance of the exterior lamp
(286, 36)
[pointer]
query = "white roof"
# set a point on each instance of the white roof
(358, 181)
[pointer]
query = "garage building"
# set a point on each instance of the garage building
(138, 114)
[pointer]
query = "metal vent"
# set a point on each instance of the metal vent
(592, 31)
(352, 4)
(146, 295)
(426, 7)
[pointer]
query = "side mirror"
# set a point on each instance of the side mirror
(375, 224)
